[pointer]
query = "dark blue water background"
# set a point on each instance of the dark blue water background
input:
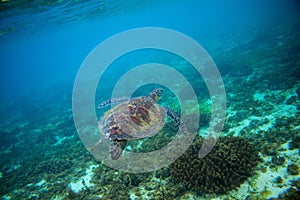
(47, 49)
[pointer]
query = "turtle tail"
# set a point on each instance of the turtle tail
(116, 148)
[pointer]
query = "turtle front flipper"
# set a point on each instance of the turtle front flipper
(176, 118)
(116, 148)
(112, 101)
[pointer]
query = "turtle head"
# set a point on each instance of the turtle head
(156, 94)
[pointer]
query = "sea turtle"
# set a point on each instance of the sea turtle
(133, 118)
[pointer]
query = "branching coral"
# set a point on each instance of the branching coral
(227, 166)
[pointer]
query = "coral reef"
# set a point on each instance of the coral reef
(278, 180)
(291, 193)
(277, 160)
(227, 166)
(295, 143)
(293, 169)
(54, 166)
(269, 142)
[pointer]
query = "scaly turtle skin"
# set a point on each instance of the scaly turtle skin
(134, 118)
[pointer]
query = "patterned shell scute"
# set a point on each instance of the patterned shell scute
(137, 118)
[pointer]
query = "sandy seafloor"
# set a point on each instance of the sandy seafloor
(42, 156)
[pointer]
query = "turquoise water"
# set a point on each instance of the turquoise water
(255, 46)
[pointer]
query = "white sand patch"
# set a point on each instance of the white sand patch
(77, 186)
(61, 139)
(259, 96)
(246, 122)
(263, 182)
(267, 179)
(42, 182)
(147, 190)
(13, 168)
(279, 110)
(236, 130)
(58, 197)
(6, 151)
(84, 182)
(203, 132)
(6, 197)
(230, 112)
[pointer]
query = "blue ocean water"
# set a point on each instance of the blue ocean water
(255, 45)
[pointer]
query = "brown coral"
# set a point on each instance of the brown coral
(54, 166)
(227, 166)
(293, 169)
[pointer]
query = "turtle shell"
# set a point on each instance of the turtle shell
(133, 119)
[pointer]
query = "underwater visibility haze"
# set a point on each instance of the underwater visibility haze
(253, 47)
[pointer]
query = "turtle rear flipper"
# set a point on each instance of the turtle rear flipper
(176, 118)
(116, 148)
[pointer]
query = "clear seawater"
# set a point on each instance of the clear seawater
(255, 45)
